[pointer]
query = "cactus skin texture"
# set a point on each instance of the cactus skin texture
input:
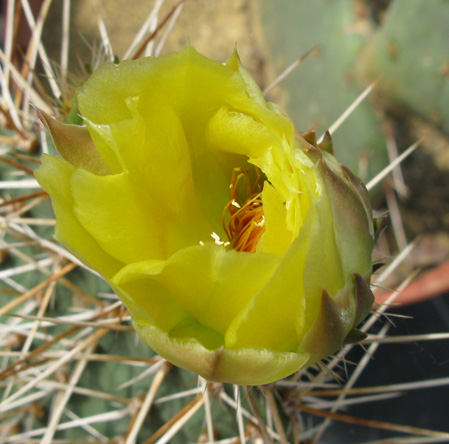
(325, 84)
(410, 52)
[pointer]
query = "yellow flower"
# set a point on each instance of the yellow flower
(242, 251)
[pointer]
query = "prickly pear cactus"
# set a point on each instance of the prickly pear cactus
(410, 52)
(72, 368)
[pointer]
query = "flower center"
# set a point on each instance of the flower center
(246, 222)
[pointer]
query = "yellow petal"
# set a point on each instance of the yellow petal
(251, 86)
(106, 146)
(275, 316)
(191, 328)
(235, 132)
(54, 175)
(155, 153)
(277, 237)
(147, 299)
(212, 284)
(118, 216)
(267, 113)
(193, 85)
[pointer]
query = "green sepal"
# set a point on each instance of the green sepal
(326, 144)
(73, 116)
(310, 136)
(354, 337)
(380, 224)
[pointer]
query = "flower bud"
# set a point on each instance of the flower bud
(241, 249)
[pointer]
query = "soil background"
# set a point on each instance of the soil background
(213, 27)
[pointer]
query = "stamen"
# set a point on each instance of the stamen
(217, 239)
(246, 223)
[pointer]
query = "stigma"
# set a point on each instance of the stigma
(243, 218)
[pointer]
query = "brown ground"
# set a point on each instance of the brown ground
(214, 27)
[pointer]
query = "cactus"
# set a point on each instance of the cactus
(114, 383)
(409, 50)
